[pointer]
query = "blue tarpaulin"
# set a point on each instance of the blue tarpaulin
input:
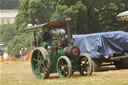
(102, 44)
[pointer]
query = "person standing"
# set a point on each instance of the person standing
(21, 53)
(5, 57)
(25, 54)
(0, 57)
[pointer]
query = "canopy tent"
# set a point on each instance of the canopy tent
(123, 16)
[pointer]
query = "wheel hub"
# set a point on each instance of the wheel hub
(40, 62)
(62, 68)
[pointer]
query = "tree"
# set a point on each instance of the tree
(102, 14)
(30, 11)
(34, 12)
(92, 16)
(7, 32)
(19, 41)
(74, 9)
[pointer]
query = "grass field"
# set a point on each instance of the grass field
(19, 73)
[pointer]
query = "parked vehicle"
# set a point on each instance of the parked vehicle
(1, 52)
(107, 48)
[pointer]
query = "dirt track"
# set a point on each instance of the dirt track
(19, 73)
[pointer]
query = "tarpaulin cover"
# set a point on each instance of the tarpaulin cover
(105, 44)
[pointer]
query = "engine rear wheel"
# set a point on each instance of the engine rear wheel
(122, 64)
(127, 63)
(86, 65)
(64, 67)
(40, 65)
(96, 65)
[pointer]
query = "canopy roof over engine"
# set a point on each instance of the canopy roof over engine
(123, 16)
(50, 25)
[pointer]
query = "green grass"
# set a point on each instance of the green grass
(19, 73)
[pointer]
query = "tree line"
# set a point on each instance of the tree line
(88, 16)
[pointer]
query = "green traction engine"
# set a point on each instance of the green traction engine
(54, 51)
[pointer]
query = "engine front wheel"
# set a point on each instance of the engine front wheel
(64, 67)
(40, 66)
(86, 65)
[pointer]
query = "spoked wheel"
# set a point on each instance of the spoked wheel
(86, 65)
(40, 66)
(64, 67)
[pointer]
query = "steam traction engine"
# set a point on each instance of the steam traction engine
(54, 51)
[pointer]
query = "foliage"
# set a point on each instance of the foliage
(102, 15)
(34, 12)
(30, 11)
(6, 33)
(91, 16)
(74, 9)
(19, 41)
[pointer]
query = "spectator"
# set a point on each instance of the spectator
(0, 58)
(21, 53)
(5, 57)
(25, 52)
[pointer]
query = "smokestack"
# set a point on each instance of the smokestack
(68, 29)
